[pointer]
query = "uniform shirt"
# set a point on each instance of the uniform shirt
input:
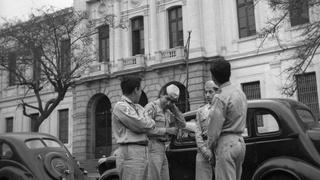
(228, 113)
(129, 124)
(202, 125)
(162, 118)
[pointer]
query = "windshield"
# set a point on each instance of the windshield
(306, 116)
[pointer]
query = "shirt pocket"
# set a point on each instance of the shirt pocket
(160, 119)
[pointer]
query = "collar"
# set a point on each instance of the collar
(228, 83)
(125, 98)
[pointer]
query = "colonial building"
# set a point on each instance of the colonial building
(148, 38)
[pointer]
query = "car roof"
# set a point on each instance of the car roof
(265, 101)
(22, 136)
(270, 101)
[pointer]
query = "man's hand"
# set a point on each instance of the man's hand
(207, 153)
(171, 130)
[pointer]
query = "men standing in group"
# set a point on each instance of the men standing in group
(227, 123)
(130, 127)
(165, 113)
(204, 158)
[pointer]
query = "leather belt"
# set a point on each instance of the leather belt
(160, 140)
(140, 143)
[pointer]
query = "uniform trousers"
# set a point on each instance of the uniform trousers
(230, 152)
(204, 169)
(158, 162)
(132, 162)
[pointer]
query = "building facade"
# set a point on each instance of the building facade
(148, 38)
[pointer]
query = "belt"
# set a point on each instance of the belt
(231, 133)
(160, 140)
(140, 143)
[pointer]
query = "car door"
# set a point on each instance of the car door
(251, 153)
(181, 154)
(273, 137)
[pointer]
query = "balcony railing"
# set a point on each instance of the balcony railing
(132, 62)
(97, 68)
(170, 54)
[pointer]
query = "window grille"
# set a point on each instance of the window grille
(307, 91)
(63, 125)
(33, 119)
(252, 90)
(9, 124)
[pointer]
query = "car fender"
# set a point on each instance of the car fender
(104, 164)
(109, 173)
(48, 165)
(14, 173)
(293, 166)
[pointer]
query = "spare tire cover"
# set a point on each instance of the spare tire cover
(12, 173)
(57, 165)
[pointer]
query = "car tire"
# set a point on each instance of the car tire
(12, 173)
(52, 171)
(280, 176)
(111, 174)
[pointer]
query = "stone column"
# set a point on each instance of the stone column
(117, 31)
(194, 23)
(153, 37)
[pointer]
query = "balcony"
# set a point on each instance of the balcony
(173, 54)
(97, 68)
(137, 61)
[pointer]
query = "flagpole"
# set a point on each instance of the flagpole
(186, 51)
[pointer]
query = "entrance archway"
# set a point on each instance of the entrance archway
(143, 99)
(102, 126)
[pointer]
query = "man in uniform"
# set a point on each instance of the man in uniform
(227, 123)
(204, 158)
(164, 112)
(130, 128)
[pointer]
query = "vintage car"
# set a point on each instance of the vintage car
(36, 156)
(282, 143)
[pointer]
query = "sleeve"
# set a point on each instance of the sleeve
(198, 133)
(150, 113)
(130, 118)
(177, 117)
(216, 121)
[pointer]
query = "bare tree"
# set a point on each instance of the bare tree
(48, 52)
(305, 47)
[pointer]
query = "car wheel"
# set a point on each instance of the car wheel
(279, 176)
(12, 173)
(57, 165)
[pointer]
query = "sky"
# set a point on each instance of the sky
(12, 9)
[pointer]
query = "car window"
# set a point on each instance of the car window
(245, 132)
(51, 143)
(305, 115)
(34, 144)
(6, 151)
(266, 122)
